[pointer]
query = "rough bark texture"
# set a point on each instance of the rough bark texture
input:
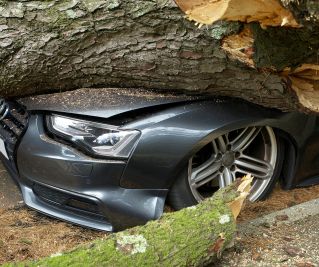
(59, 45)
(288, 48)
(66, 44)
(191, 237)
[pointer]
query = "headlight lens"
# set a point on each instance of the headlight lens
(96, 138)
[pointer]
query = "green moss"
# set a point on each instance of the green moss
(182, 238)
(284, 47)
(223, 28)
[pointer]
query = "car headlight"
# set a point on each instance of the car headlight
(96, 138)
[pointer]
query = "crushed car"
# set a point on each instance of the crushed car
(109, 159)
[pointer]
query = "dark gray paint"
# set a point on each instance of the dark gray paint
(133, 191)
(45, 161)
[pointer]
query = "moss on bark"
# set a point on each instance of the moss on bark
(284, 47)
(190, 237)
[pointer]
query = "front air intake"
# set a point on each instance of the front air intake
(4, 109)
(68, 201)
(13, 123)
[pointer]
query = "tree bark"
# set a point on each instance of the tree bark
(284, 42)
(59, 45)
(194, 236)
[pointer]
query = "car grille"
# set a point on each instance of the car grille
(13, 123)
(69, 202)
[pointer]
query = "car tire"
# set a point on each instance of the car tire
(263, 149)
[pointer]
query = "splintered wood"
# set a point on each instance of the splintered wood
(266, 12)
(304, 80)
(240, 46)
(244, 188)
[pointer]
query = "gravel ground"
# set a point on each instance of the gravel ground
(292, 244)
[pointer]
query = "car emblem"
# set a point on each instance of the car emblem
(4, 109)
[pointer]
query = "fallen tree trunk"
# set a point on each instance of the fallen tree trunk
(194, 236)
(61, 45)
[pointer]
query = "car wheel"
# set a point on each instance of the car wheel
(254, 150)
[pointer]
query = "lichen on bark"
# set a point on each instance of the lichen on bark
(193, 236)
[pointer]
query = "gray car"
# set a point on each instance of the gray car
(109, 159)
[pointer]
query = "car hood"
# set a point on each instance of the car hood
(101, 102)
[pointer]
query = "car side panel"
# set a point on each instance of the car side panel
(307, 171)
(166, 145)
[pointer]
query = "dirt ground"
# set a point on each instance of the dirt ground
(26, 234)
(292, 244)
(278, 200)
(9, 193)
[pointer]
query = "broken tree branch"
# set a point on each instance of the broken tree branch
(190, 237)
(281, 45)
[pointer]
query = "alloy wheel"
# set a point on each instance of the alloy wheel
(232, 155)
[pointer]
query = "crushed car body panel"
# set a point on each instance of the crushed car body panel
(64, 180)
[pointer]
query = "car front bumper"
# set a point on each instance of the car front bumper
(58, 180)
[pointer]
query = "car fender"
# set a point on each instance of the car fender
(166, 145)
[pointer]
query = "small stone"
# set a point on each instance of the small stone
(265, 235)
(292, 251)
(256, 256)
(283, 217)
(287, 238)
(305, 264)
(265, 224)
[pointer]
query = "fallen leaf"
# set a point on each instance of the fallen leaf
(292, 251)
(218, 245)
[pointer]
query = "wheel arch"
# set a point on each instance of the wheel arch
(191, 127)
(286, 140)
(289, 156)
